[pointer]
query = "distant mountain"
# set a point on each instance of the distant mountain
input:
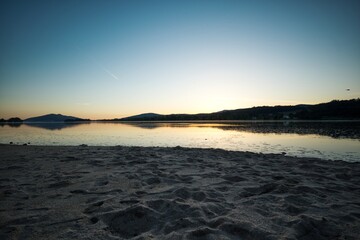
(334, 110)
(54, 118)
(148, 116)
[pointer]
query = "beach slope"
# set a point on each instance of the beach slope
(81, 192)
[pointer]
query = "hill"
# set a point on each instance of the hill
(54, 118)
(148, 116)
(334, 110)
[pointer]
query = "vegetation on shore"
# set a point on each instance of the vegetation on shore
(334, 110)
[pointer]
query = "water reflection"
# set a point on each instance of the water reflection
(334, 129)
(328, 140)
(44, 125)
(11, 124)
(55, 125)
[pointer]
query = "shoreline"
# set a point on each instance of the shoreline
(279, 153)
(119, 192)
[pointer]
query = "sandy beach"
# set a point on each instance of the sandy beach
(81, 192)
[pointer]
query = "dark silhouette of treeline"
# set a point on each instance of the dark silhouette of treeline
(334, 110)
(11, 120)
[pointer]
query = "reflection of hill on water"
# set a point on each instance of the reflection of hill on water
(153, 125)
(146, 125)
(11, 124)
(54, 125)
(331, 129)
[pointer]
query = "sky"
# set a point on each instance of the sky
(109, 59)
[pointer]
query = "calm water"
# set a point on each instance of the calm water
(328, 140)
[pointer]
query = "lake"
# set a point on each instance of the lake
(334, 140)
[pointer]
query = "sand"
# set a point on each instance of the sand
(83, 192)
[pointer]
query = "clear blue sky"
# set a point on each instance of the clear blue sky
(105, 59)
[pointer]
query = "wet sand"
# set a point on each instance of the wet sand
(119, 192)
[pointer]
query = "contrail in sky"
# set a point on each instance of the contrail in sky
(103, 68)
(110, 73)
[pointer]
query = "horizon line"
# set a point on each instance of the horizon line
(100, 119)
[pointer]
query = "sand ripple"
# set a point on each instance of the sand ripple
(174, 193)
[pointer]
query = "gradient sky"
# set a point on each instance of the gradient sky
(106, 59)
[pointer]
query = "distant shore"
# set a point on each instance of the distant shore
(82, 192)
(332, 128)
(342, 110)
